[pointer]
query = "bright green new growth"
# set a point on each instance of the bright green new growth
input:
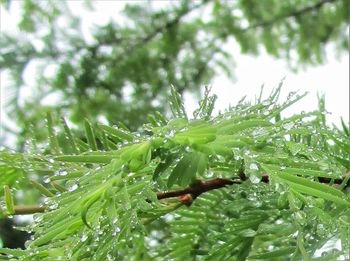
(103, 203)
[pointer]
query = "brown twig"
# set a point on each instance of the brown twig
(198, 187)
(190, 193)
(325, 180)
(28, 209)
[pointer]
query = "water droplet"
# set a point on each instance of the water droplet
(53, 205)
(253, 166)
(330, 142)
(83, 238)
(46, 179)
(254, 179)
(115, 231)
(37, 217)
(63, 173)
(73, 187)
(210, 174)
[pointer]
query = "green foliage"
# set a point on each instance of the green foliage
(102, 202)
(124, 72)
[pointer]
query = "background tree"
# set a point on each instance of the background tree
(181, 44)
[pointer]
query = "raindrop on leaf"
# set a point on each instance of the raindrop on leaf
(84, 237)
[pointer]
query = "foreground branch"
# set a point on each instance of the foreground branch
(190, 193)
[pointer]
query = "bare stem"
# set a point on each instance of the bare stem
(28, 209)
(191, 192)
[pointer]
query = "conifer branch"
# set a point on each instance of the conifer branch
(191, 192)
(293, 14)
(198, 187)
(158, 30)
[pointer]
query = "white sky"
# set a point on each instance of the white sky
(331, 79)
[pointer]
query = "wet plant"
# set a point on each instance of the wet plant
(246, 184)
